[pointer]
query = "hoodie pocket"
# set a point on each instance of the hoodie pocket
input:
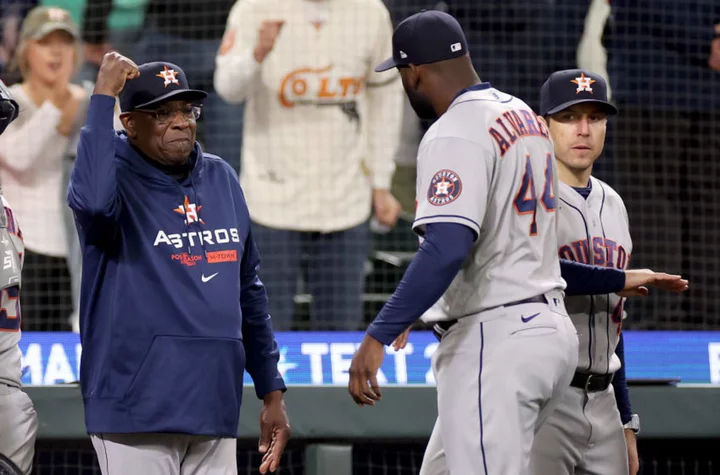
(188, 385)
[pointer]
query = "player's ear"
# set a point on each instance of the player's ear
(130, 125)
(414, 76)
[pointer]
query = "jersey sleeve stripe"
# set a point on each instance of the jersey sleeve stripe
(447, 218)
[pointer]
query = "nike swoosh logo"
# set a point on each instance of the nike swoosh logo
(525, 320)
(208, 278)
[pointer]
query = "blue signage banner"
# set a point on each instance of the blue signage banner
(323, 358)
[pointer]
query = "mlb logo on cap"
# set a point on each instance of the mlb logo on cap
(426, 37)
(566, 88)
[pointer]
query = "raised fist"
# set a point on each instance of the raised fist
(115, 69)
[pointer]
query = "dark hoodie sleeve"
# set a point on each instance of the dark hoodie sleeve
(93, 190)
(261, 349)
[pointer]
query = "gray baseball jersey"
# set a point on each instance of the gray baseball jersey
(12, 249)
(18, 419)
(595, 231)
(487, 163)
(584, 434)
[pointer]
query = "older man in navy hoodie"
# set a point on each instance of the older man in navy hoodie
(172, 310)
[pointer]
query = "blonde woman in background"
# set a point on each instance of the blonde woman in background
(35, 152)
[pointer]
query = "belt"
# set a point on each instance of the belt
(590, 382)
(440, 328)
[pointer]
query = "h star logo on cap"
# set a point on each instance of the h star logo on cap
(583, 83)
(169, 75)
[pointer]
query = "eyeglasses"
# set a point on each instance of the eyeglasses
(163, 116)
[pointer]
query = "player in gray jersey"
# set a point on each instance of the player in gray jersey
(18, 420)
(486, 213)
(585, 435)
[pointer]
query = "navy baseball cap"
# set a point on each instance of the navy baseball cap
(158, 82)
(566, 88)
(426, 37)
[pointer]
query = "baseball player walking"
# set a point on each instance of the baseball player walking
(18, 419)
(585, 435)
(486, 211)
(172, 310)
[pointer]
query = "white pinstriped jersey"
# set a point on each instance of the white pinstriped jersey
(12, 250)
(321, 128)
(595, 231)
(488, 164)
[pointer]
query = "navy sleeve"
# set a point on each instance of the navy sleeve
(93, 190)
(440, 257)
(583, 279)
(261, 349)
(622, 394)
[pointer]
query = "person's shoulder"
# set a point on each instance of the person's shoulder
(450, 137)
(217, 165)
(610, 194)
(463, 122)
(216, 161)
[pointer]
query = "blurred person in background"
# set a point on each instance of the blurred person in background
(320, 137)
(186, 32)
(591, 52)
(12, 13)
(665, 68)
(106, 25)
(33, 160)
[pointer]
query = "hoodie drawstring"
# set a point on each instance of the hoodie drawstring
(197, 212)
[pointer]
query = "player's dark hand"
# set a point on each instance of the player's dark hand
(115, 69)
(274, 431)
(633, 458)
(637, 282)
(363, 385)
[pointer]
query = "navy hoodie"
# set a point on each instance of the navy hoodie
(172, 311)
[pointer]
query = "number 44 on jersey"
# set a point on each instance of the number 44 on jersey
(526, 201)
